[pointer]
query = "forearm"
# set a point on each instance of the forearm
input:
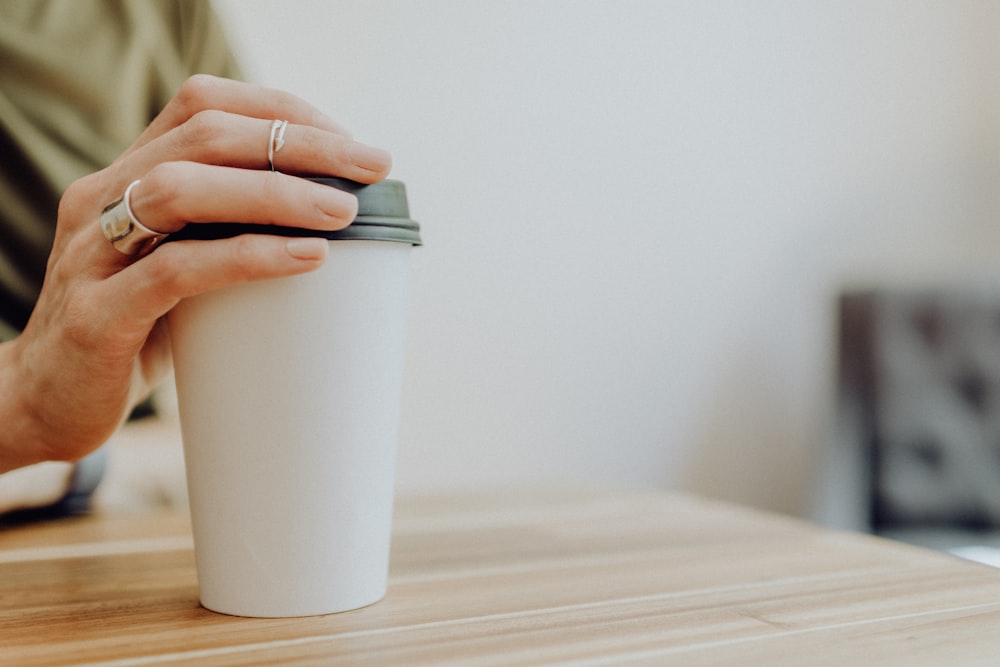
(20, 438)
(54, 408)
(29, 480)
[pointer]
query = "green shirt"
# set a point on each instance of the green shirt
(79, 81)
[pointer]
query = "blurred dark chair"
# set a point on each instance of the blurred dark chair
(917, 452)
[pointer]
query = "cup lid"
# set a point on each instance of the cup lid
(383, 215)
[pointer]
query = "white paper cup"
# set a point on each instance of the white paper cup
(289, 393)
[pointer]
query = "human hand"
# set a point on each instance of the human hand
(96, 342)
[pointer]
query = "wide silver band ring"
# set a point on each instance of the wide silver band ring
(276, 140)
(123, 229)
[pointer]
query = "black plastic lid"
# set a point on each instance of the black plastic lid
(383, 215)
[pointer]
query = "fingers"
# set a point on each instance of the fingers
(228, 139)
(146, 290)
(221, 123)
(203, 92)
(177, 193)
(210, 157)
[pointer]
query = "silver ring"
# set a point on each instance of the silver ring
(123, 229)
(276, 141)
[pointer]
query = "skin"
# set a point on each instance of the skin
(96, 342)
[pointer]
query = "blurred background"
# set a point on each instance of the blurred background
(639, 215)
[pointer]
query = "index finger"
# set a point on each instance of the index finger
(203, 92)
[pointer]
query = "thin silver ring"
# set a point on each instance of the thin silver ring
(123, 229)
(276, 141)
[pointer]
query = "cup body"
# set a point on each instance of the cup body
(289, 394)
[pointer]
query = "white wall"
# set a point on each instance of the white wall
(637, 214)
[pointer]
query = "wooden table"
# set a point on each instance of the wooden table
(517, 579)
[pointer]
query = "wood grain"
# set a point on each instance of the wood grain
(517, 579)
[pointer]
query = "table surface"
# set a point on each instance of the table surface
(517, 579)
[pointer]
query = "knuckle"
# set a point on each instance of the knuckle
(74, 198)
(195, 92)
(81, 191)
(274, 193)
(244, 253)
(203, 130)
(166, 181)
(77, 204)
(78, 189)
(285, 104)
(170, 266)
(165, 177)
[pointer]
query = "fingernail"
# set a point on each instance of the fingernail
(340, 207)
(307, 248)
(368, 157)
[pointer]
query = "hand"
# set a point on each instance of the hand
(96, 342)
